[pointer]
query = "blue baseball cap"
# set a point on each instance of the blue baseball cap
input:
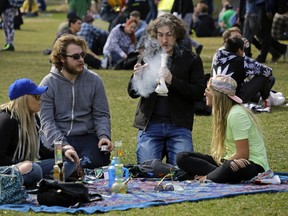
(24, 86)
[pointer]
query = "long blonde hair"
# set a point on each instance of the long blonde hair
(27, 147)
(221, 106)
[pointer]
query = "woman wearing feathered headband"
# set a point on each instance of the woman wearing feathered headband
(237, 150)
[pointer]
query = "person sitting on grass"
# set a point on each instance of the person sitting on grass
(120, 48)
(20, 131)
(238, 150)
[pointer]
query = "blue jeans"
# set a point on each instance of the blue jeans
(44, 168)
(87, 149)
(162, 139)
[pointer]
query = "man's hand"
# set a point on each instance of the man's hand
(105, 141)
(138, 68)
(72, 155)
(165, 72)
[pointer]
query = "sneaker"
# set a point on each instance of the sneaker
(8, 47)
(105, 62)
(198, 50)
(278, 94)
(276, 101)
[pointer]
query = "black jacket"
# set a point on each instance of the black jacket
(9, 133)
(187, 86)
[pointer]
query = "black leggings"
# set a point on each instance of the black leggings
(230, 171)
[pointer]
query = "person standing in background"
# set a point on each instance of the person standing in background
(184, 10)
(8, 13)
(81, 7)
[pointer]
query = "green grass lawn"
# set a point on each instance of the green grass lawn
(28, 61)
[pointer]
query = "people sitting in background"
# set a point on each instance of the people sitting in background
(29, 8)
(64, 26)
(204, 24)
(247, 66)
(238, 150)
(227, 18)
(142, 25)
(120, 46)
(91, 59)
(20, 132)
(94, 37)
(254, 80)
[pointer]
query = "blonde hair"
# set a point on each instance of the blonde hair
(227, 33)
(221, 106)
(27, 147)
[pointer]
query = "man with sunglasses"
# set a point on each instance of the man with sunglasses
(75, 108)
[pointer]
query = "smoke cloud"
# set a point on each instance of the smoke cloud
(146, 83)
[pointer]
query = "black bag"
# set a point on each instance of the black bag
(54, 193)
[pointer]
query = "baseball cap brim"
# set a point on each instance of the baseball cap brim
(236, 99)
(39, 90)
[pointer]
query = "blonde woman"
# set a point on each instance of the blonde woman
(19, 131)
(237, 151)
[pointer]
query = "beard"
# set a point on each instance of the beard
(73, 70)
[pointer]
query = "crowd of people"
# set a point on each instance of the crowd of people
(70, 103)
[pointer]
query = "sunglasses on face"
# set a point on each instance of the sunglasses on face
(37, 97)
(76, 56)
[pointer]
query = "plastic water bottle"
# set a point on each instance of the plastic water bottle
(112, 172)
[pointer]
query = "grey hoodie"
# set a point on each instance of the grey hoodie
(78, 108)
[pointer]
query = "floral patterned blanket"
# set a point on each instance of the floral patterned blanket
(142, 194)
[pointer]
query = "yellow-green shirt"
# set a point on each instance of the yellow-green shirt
(240, 126)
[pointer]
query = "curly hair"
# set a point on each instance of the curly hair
(176, 26)
(60, 48)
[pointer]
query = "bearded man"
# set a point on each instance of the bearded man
(75, 107)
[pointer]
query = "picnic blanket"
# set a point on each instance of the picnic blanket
(141, 194)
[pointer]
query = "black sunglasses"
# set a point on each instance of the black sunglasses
(76, 56)
(37, 97)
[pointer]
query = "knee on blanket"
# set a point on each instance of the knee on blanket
(24, 167)
(238, 164)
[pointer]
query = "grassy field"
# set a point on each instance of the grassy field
(28, 61)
